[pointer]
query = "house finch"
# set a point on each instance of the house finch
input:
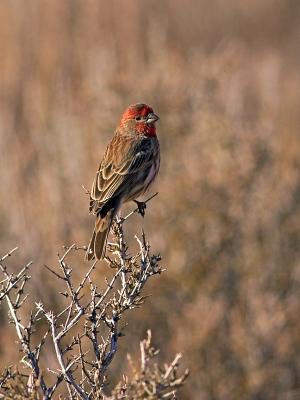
(129, 166)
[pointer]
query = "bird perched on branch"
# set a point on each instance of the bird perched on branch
(129, 166)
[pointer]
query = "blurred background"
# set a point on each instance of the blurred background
(225, 79)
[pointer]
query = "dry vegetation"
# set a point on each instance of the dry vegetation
(225, 82)
(83, 335)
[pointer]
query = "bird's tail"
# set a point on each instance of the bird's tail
(97, 245)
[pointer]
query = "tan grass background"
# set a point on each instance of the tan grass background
(225, 79)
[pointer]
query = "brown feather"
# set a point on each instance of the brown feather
(96, 248)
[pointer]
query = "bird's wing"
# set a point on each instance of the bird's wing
(124, 159)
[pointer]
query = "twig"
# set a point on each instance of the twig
(137, 209)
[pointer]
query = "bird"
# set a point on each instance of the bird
(128, 168)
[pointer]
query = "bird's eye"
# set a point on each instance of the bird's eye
(138, 118)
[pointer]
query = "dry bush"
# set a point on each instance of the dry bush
(83, 335)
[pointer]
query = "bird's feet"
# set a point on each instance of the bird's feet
(141, 207)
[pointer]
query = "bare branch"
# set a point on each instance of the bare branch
(84, 335)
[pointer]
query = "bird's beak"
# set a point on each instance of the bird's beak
(152, 118)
